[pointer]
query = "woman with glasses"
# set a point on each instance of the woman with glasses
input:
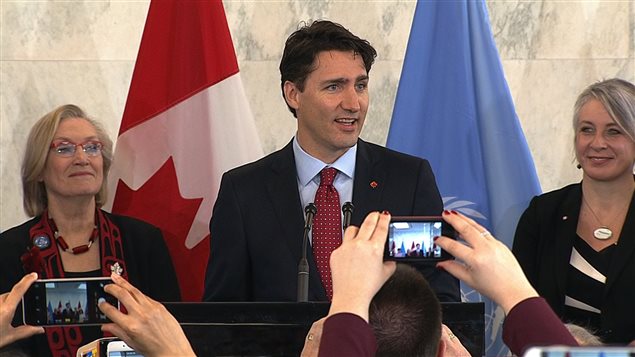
(64, 173)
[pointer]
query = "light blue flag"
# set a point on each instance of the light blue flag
(454, 108)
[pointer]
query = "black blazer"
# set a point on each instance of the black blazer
(543, 243)
(257, 223)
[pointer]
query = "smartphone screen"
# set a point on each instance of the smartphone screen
(53, 302)
(591, 351)
(412, 238)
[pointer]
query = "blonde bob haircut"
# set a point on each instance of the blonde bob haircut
(37, 150)
(618, 98)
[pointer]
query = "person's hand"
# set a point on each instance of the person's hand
(486, 264)
(148, 327)
(451, 344)
(313, 338)
(357, 267)
(8, 303)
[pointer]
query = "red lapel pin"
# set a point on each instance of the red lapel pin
(373, 184)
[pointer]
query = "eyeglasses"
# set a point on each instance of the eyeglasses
(67, 148)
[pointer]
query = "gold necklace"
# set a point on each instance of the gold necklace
(603, 232)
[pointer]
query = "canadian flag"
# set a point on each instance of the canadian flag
(186, 121)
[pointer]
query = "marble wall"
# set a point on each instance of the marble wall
(83, 52)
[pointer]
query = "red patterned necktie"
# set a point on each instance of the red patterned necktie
(327, 226)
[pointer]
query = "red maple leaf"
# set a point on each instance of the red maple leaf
(160, 203)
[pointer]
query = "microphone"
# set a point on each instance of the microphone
(347, 209)
(303, 267)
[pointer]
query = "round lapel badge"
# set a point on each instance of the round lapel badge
(42, 241)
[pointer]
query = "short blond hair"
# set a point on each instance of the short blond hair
(37, 150)
(618, 98)
(583, 336)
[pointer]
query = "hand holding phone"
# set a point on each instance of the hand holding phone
(9, 302)
(148, 325)
(54, 302)
(411, 239)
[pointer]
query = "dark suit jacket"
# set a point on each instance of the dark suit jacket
(542, 245)
(257, 223)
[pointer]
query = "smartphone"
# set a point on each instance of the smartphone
(55, 302)
(120, 349)
(411, 238)
(591, 351)
(96, 348)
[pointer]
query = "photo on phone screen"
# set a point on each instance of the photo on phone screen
(412, 238)
(51, 302)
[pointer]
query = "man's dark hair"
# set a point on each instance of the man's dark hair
(304, 45)
(406, 316)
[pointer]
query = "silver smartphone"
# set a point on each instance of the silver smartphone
(120, 349)
(66, 301)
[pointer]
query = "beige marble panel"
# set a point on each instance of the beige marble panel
(384, 80)
(562, 29)
(583, 29)
(275, 123)
(71, 30)
(259, 28)
(389, 30)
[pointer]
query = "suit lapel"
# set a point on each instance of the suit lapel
(566, 228)
(369, 181)
(625, 249)
(282, 187)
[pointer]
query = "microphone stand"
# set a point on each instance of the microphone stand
(303, 267)
(347, 209)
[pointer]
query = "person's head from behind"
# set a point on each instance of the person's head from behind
(604, 126)
(324, 80)
(68, 155)
(583, 336)
(406, 316)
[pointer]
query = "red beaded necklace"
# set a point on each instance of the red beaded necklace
(76, 250)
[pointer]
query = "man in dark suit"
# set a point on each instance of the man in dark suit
(258, 219)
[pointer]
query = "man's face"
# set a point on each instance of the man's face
(332, 108)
